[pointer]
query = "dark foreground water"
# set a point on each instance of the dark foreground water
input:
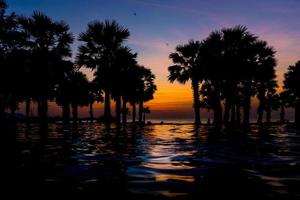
(156, 162)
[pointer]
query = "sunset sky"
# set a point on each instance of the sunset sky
(157, 26)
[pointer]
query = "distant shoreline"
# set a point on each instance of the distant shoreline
(148, 123)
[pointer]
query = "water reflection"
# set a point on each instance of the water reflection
(174, 161)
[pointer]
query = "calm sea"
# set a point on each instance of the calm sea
(155, 162)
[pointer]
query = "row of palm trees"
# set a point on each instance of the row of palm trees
(291, 94)
(227, 69)
(36, 67)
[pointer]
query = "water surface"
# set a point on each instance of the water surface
(158, 162)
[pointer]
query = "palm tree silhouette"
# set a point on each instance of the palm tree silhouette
(123, 70)
(186, 68)
(211, 61)
(146, 111)
(94, 95)
(272, 103)
(135, 94)
(48, 42)
(292, 87)
(101, 40)
(265, 82)
(3, 7)
(63, 90)
(230, 66)
(233, 60)
(240, 58)
(145, 88)
(11, 60)
(284, 101)
(266, 93)
(236, 43)
(72, 91)
(79, 92)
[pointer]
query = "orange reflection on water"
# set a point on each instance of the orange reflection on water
(163, 151)
(165, 177)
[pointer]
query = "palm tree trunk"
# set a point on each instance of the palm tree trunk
(260, 111)
(43, 109)
(66, 113)
(144, 118)
(297, 113)
(247, 104)
(107, 114)
(268, 115)
(39, 109)
(118, 110)
(233, 115)
(13, 110)
(217, 113)
(238, 113)
(282, 114)
(133, 112)
(141, 108)
(226, 111)
(75, 112)
(195, 87)
(124, 111)
(91, 112)
(2, 106)
(27, 108)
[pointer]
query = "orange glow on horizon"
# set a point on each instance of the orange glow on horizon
(171, 96)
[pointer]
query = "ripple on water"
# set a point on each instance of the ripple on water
(161, 160)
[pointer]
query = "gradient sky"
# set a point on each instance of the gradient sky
(159, 25)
